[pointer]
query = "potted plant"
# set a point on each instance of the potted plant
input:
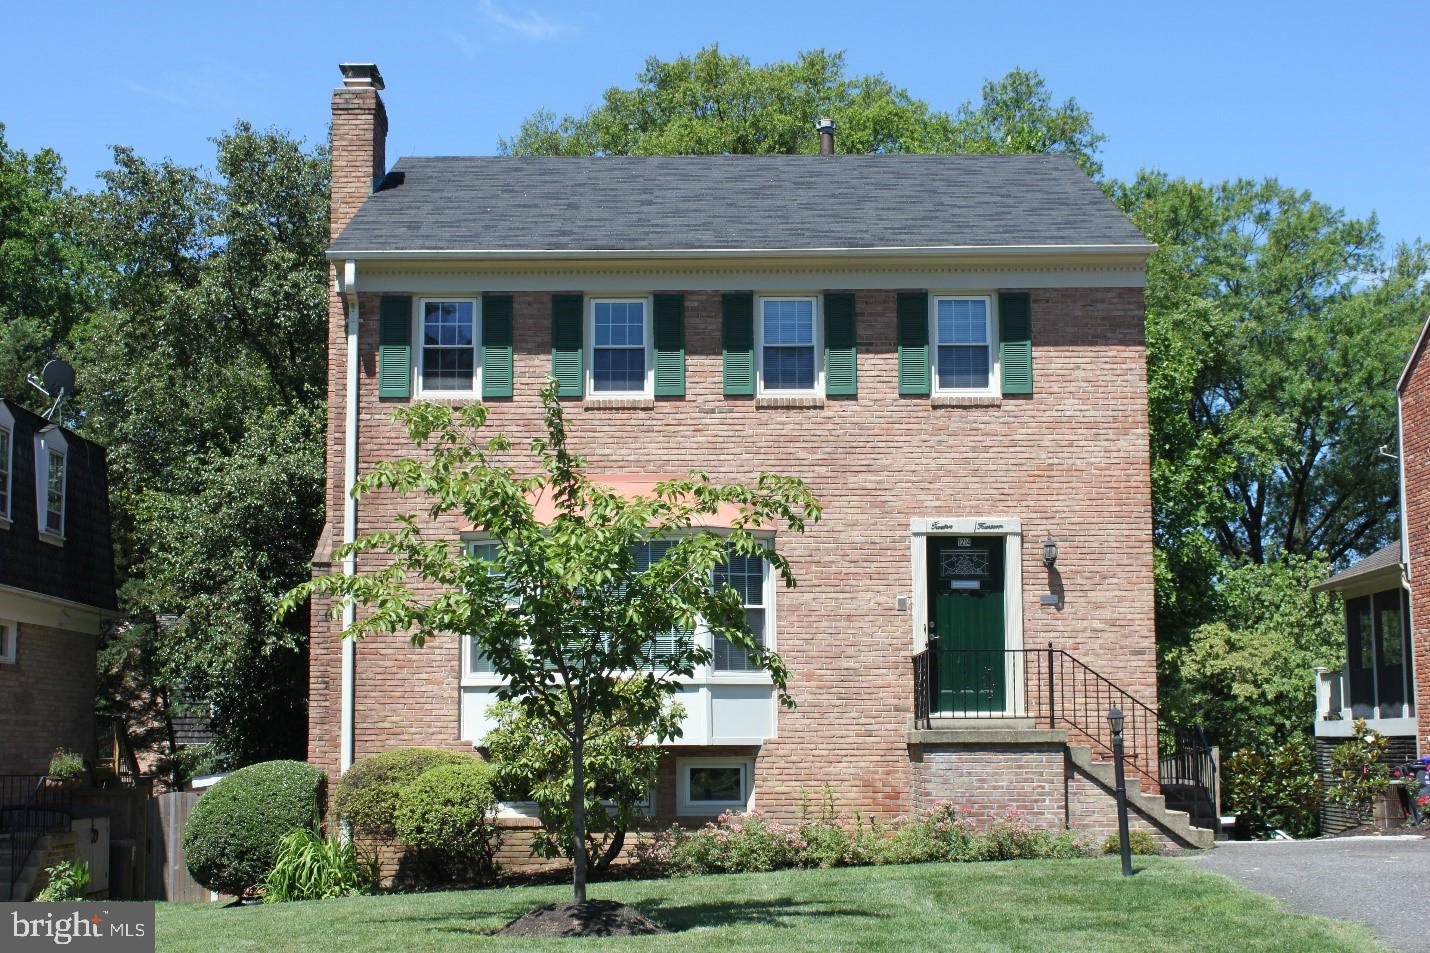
(66, 768)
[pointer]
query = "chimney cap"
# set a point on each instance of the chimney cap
(824, 125)
(361, 76)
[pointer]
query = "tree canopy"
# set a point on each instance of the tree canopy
(713, 103)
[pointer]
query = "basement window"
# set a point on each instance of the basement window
(713, 785)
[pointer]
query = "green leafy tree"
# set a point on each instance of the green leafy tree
(1247, 676)
(1359, 774)
(533, 762)
(46, 275)
(715, 104)
(1276, 329)
(561, 609)
(1278, 790)
(201, 369)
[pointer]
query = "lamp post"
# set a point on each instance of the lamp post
(1115, 720)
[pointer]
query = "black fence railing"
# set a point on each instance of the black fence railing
(1057, 690)
(30, 807)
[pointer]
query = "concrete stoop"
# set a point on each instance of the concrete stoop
(1153, 807)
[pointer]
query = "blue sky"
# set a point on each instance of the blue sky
(1330, 97)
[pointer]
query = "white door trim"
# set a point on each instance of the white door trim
(1011, 529)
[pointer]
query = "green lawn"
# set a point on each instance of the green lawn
(1036, 906)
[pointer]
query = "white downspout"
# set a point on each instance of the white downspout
(1400, 463)
(350, 448)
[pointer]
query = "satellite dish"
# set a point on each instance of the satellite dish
(58, 378)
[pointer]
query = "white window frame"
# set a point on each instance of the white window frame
(50, 440)
(419, 351)
(816, 305)
(469, 678)
(685, 807)
(7, 460)
(994, 357)
(767, 589)
(588, 357)
(9, 642)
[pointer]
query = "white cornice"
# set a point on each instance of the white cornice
(36, 608)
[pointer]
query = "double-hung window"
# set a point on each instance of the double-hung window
(965, 336)
(748, 576)
(621, 358)
(660, 648)
(448, 338)
(51, 466)
(475, 662)
(788, 341)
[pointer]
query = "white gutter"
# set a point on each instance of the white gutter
(607, 254)
(348, 288)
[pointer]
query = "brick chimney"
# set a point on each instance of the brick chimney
(359, 146)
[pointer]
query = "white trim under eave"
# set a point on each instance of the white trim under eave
(37, 608)
(606, 254)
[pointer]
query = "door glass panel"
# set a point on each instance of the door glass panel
(1390, 655)
(1360, 656)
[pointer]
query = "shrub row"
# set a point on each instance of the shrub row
(743, 843)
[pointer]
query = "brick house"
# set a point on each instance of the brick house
(56, 588)
(1413, 401)
(948, 349)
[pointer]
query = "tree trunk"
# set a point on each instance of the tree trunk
(578, 808)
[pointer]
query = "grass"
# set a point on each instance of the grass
(1034, 906)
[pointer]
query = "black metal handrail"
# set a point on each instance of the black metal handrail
(31, 806)
(1057, 690)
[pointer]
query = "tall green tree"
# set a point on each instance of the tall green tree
(202, 370)
(712, 104)
(563, 610)
(46, 278)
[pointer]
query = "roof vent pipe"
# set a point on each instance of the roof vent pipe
(825, 127)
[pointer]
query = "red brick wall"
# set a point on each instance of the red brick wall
(1415, 458)
(1071, 460)
(47, 699)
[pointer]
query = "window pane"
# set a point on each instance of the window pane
(962, 366)
(620, 324)
(1390, 668)
(725, 784)
(448, 345)
(789, 368)
(1360, 656)
(618, 369)
(962, 321)
(789, 322)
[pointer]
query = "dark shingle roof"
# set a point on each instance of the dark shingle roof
(1383, 558)
(697, 203)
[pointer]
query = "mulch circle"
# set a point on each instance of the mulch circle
(592, 918)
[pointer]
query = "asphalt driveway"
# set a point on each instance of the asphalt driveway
(1378, 881)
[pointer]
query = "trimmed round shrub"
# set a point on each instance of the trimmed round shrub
(450, 813)
(366, 797)
(231, 838)
(1143, 843)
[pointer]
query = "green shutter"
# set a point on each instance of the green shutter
(496, 346)
(841, 362)
(738, 341)
(566, 320)
(668, 331)
(394, 347)
(913, 317)
(1015, 341)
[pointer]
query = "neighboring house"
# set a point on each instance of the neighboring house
(1377, 682)
(1413, 404)
(948, 349)
(56, 588)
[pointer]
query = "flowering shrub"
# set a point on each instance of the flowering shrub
(743, 843)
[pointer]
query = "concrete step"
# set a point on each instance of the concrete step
(1177, 824)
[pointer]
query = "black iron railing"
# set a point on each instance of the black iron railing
(30, 807)
(1057, 690)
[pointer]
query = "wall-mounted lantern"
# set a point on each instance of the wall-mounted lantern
(1050, 552)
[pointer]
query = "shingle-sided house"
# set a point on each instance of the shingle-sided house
(948, 349)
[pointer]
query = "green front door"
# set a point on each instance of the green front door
(965, 584)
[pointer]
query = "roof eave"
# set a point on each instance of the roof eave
(1388, 576)
(1138, 251)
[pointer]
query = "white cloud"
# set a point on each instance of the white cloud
(528, 23)
(462, 43)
